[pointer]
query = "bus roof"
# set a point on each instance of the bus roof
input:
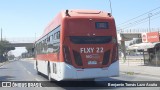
(84, 13)
(73, 13)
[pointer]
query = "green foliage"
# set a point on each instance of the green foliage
(10, 57)
(4, 47)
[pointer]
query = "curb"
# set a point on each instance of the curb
(135, 73)
(4, 63)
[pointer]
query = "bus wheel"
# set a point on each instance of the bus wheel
(37, 68)
(49, 73)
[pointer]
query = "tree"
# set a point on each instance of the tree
(10, 56)
(29, 49)
(30, 52)
(4, 49)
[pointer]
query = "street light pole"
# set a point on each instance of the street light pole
(1, 34)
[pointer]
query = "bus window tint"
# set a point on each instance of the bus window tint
(102, 25)
(91, 40)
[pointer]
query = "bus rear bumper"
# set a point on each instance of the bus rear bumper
(71, 73)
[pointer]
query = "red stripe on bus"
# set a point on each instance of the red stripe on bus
(49, 57)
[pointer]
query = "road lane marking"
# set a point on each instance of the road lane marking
(29, 72)
(36, 79)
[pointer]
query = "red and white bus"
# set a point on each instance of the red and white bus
(78, 44)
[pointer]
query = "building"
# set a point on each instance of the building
(151, 48)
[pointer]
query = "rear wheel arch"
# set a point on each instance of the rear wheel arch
(37, 67)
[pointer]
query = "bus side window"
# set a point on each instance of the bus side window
(48, 39)
(55, 36)
(58, 35)
(51, 38)
(37, 48)
(41, 47)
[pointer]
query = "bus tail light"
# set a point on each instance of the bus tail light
(106, 57)
(114, 40)
(78, 58)
(67, 57)
(115, 54)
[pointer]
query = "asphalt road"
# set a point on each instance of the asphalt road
(23, 70)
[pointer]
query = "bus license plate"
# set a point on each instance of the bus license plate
(92, 62)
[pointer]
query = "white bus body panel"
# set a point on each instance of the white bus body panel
(68, 72)
(42, 66)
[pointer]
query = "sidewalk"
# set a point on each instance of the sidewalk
(2, 63)
(139, 68)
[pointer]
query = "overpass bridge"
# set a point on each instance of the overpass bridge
(21, 42)
(30, 45)
(28, 41)
(123, 36)
(127, 35)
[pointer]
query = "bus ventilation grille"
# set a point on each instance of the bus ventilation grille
(106, 57)
(77, 58)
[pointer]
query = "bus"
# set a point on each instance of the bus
(77, 45)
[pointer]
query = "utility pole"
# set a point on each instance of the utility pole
(149, 16)
(1, 34)
(35, 36)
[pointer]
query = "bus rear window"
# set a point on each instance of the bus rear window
(90, 40)
(102, 25)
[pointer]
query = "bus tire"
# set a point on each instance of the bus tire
(49, 73)
(37, 68)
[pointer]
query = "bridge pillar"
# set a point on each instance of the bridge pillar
(123, 48)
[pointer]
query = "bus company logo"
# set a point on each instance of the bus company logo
(92, 56)
(6, 84)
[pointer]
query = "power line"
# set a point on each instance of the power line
(1, 35)
(139, 21)
(139, 16)
(144, 18)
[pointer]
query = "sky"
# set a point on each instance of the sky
(28, 18)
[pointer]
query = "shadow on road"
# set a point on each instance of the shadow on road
(6, 78)
(3, 68)
(72, 85)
